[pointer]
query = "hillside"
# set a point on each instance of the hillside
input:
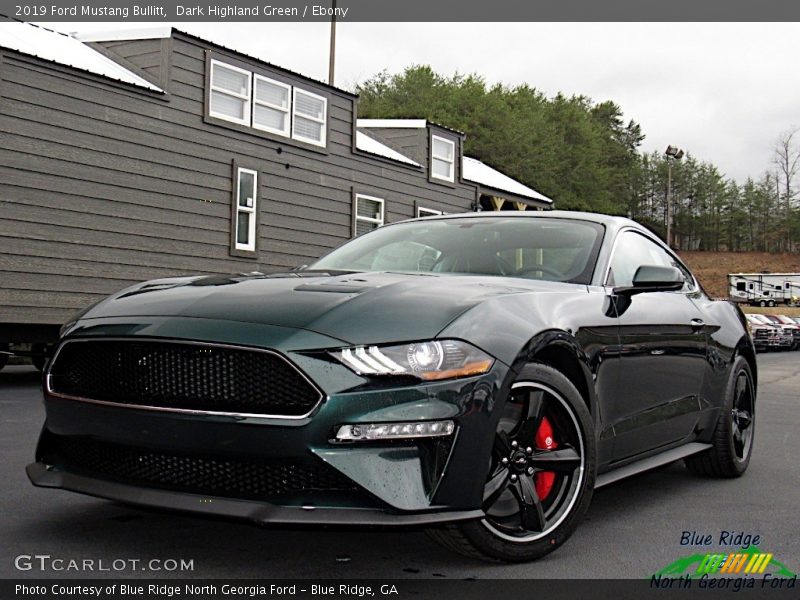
(712, 268)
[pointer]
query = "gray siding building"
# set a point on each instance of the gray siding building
(130, 159)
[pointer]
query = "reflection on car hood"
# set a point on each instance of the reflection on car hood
(360, 308)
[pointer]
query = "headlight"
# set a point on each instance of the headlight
(430, 361)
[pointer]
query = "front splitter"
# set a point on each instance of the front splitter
(42, 475)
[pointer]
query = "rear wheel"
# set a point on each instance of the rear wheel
(541, 473)
(735, 429)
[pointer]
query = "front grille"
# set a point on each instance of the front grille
(199, 475)
(182, 376)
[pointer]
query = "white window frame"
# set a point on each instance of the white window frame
(252, 232)
(246, 97)
(323, 121)
(427, 212)
(288, 110)
(451, 160)
(380, 221)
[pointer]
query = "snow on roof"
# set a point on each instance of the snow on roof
(477, 172)
(394, 123)
(155, 32)
(65, 50)
(373, 146)
(402, 124)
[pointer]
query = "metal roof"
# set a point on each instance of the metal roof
(373, 146)
(393, 123)
(477, 172)
(66, 50)
(403, 124)
(165, 31)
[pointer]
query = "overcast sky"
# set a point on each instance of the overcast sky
(724, 92)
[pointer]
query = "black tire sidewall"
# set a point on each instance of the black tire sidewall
(494, 546)
(729, 451)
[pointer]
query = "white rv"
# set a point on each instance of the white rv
(764, 289)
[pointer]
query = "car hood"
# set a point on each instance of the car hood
(361, 308)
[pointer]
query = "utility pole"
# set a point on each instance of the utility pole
(332, 52)
(674, 153)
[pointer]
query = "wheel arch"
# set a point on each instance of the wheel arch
(745, 349)
(560, 350)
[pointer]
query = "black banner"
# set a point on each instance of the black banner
(402, 11)
(249, 589)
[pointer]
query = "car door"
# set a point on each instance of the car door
(662, 354)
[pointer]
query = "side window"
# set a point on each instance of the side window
(443, 153)
(271, 105)
(367, 213)
(244, 229)
(427, 212)
(634, 250)
(230, 93)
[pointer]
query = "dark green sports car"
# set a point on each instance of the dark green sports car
(479, 375)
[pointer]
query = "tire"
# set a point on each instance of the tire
(771, 303)
(762, 304)
(730, 454)
(530, 510)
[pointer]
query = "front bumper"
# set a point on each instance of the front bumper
(258, 512)
(400, 482)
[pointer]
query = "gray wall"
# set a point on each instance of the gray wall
(103, 185)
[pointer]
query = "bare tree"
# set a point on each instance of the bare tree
(787, 160)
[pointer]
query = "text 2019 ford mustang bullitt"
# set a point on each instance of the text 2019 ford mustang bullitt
(479, 375)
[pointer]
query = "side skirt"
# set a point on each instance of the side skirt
(651, 462)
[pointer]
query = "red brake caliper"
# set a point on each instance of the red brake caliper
(543, 480)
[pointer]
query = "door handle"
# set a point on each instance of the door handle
(698, 324)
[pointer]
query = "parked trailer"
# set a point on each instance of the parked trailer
(764, 289)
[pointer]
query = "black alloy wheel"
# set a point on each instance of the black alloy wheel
(742, 416)
(732, 442)
(537, 465)
(541, 473)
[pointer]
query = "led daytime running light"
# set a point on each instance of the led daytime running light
(395, 431)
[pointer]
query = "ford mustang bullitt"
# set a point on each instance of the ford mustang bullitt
(476, 375)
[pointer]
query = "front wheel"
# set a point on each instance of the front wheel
(541, 473)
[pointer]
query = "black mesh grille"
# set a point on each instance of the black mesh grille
(199, 475)
(182, 376)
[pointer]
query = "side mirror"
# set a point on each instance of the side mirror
(652, 278)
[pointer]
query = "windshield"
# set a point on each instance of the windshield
(529, 247)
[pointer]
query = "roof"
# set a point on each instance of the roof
(402, 124)
(393, 123)
(373, 146)
(155, 32)
(166, 31)
(477, 172)
(66, 50)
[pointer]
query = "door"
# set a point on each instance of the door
(662, 354)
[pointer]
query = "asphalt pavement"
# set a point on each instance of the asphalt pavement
(633, 528)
